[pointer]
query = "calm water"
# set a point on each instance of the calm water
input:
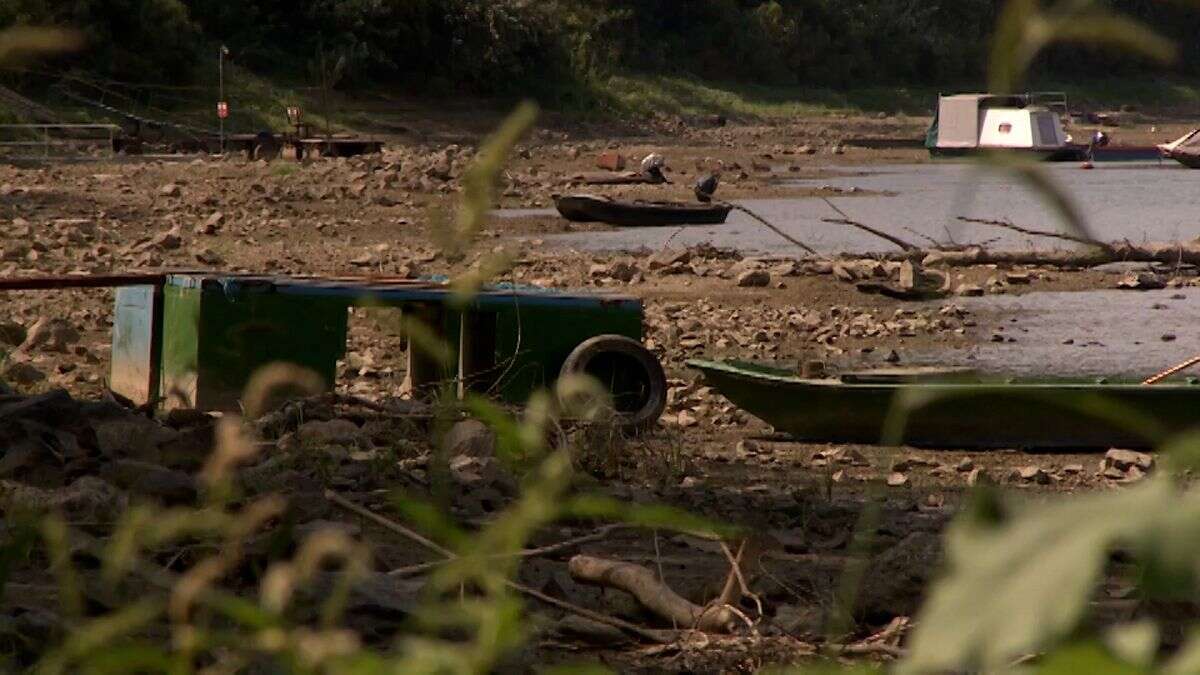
(1112, 333)
(1139, 201)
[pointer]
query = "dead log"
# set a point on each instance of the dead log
(1181, 253)
(655, 596)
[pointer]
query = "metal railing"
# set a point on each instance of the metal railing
(53, 141)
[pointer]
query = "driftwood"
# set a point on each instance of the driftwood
(660, 636)
(640, 582)
(1091, 253)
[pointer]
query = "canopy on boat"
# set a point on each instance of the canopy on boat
(971, 121)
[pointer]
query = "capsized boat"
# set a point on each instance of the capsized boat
(958, 409)
(585, 208)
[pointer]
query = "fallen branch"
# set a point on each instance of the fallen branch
(1035, 233)
(660, 636)
(716, 617)
(863, 649)
(847, 220)
(776, 230)
(599, 534)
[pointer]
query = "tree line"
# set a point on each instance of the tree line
(507, 46)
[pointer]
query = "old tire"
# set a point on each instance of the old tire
(265, 147)
(631, 374)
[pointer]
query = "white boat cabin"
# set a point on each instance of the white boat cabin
(966, 122)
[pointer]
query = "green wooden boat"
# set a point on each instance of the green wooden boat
(956, 409)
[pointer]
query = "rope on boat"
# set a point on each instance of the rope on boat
(776, 230)
(1172, 370)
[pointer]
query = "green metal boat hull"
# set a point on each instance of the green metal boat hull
(959, 415)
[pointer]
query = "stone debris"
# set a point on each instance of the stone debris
(1032, 474)
(754, 279)
(470, 438)
(1126, 465)
(50, 335)
(1142, 281)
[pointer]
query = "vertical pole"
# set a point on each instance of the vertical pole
(221, 85)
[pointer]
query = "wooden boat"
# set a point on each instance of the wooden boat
(592, 208)
(957, 410)
(1183, 149)
(1125, 153)
(1189, 157)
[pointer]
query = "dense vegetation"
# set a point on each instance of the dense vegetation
(494, 46)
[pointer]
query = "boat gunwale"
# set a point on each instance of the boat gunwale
(704, 366)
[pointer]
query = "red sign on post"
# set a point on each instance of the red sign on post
(222, 109)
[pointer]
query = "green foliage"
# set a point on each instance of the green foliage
(135, 39)
(559, 49)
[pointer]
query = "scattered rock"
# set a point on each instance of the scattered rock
(329, 432)
(89, 499)
(208, 256)
(50, 335)
(978, 476)
(167, 241)
(151, 480)
(170, 190)
(471, 438)
(212, 224)
(897, 479)
(611, 161)
(754, 279)
(1032, 474)
(12, 333)
(22, 374)
(1125, 460)
(1142, 281)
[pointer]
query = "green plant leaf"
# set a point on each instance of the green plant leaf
(1015, 587)
(1085, 657)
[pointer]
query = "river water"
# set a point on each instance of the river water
(1140, 201)
(1116, 334)
(1110, 333)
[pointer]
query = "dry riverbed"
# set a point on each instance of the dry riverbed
(383, 215)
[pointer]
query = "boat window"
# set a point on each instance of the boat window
(1005, 128)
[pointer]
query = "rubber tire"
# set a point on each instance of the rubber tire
(265, 147)
(656, 380)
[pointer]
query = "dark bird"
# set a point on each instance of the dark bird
(706, 185)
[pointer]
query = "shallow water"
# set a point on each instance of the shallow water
(1139, 201)
(1113, 333)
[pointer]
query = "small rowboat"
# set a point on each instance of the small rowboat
(593, 209)
(957, 410)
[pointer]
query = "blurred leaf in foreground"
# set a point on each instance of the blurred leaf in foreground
(22, 41)
(1017, 587)
(1025, 28)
